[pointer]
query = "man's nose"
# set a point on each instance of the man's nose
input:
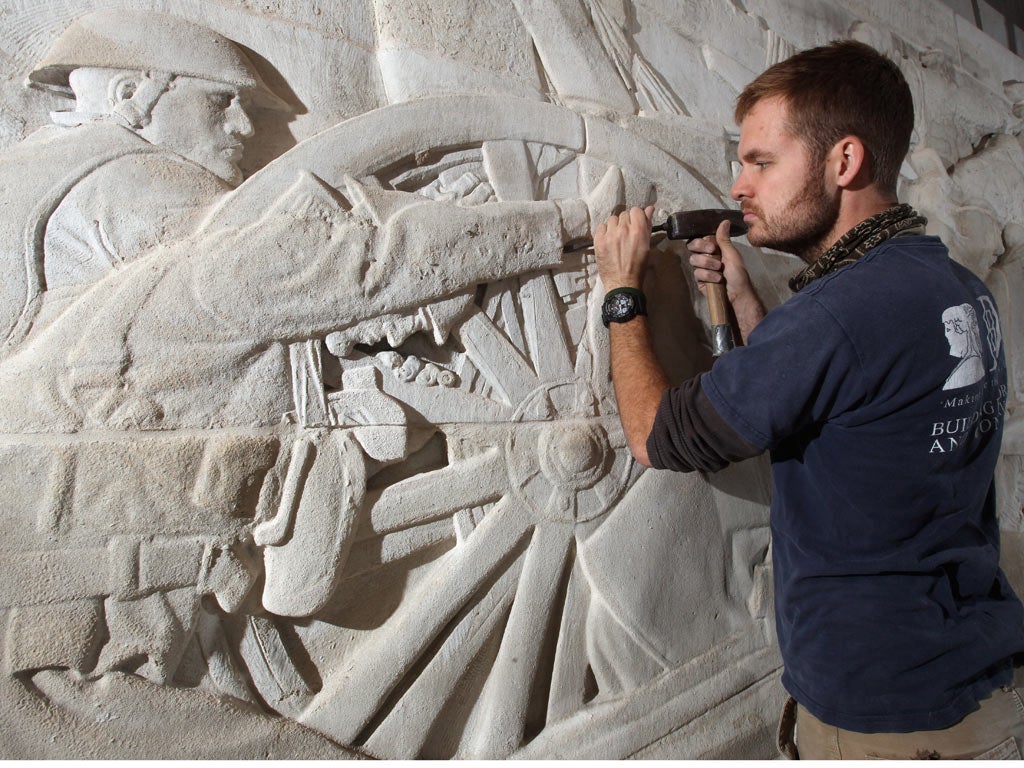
(236, 120)
(740, 187)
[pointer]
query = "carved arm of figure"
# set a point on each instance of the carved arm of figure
(196, 328)
(309, 266)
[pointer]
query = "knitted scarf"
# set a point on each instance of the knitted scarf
(900, 219)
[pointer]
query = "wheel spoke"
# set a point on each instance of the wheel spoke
(432, 495)
(507, 702)
(402, 734)
(500, 305)
(569, 675)
(541, 315)
(445, 405)
(356, 690)
(497, 359)
(373, 553)
(510, 169)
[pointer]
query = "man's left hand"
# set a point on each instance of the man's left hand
(621, 248)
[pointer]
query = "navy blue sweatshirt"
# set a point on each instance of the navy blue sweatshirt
(880, 391)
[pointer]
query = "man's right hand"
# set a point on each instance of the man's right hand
(715, 260)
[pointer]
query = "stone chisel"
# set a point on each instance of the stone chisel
(687, 225)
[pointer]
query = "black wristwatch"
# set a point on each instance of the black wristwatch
(623, 304)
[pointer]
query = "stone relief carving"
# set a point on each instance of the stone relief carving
(328, 457)
(157, 105)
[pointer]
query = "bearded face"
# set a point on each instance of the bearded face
(801, 225)
(782, 189)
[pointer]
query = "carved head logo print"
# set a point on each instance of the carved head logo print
(964, 337)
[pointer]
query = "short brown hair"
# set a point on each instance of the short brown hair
(845, 88)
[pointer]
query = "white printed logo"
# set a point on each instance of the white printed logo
(964, 337)
(978, 412)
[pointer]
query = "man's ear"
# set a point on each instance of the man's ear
(850, 162)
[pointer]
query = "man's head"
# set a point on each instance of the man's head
(846, 88)
(822, 138)
(177, 84)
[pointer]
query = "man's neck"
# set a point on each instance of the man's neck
(853, 209)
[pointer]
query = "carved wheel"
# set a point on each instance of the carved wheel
(459, 627)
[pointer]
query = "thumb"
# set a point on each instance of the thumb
(725, 246)
(722, 236)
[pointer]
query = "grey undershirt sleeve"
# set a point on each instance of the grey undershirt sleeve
(688, 433)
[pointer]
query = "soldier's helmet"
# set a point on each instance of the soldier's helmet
(150, 42)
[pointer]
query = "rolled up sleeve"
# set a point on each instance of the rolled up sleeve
(689, 434)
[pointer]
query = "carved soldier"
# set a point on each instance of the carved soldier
(154, 138)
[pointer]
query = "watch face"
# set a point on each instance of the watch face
(620, 308)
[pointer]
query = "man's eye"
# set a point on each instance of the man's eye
(762, 165)
(221, 100)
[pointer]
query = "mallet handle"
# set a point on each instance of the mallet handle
(718, 307)
(718, 311)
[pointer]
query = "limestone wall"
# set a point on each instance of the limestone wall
(309, 447)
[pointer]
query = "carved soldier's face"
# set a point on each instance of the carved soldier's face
(783, 193)
(203, 121)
